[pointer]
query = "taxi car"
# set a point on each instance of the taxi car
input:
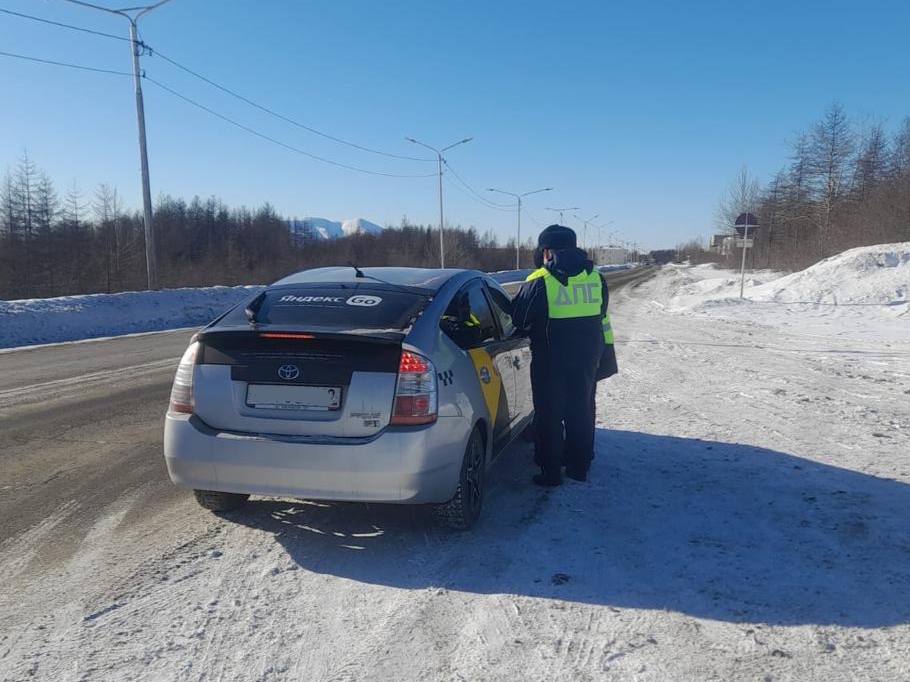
(396, 385)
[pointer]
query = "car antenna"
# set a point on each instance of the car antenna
(360, 274)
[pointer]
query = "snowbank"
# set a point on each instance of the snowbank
(860, 294)
(868, 275)
(69, 318)
(877, 274)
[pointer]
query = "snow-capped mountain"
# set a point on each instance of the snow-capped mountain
(323, 228)
(360, 226)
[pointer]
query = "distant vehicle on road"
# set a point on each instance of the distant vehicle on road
(382, 385)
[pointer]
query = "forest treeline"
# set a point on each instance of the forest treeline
(844, 185)
(52, 245)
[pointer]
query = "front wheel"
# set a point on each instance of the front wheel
(220, 502)
(463, 510)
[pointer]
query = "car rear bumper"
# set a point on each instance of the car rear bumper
(415, 465)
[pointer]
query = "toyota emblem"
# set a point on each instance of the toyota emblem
(288, 372)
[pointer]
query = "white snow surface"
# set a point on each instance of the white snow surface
(866, 275)
(68, 318)
(745, 519)
(860, 293)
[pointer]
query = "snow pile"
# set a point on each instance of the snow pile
(69, 318)
(877, 274)
(860, 294)
(690, 287)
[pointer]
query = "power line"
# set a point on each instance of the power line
(273, 140)
(62, 25)
(476, 195)
(223, 88)
(461, 189)
(66, 64)
(282, 117)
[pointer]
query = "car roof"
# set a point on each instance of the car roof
(430, 279)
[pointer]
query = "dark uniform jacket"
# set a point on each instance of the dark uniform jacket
(566, 338)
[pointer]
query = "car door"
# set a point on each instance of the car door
(473, 327)
(520, 348)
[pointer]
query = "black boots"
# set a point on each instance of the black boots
(547, 481)
(576, 474)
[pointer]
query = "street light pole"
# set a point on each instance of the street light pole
(440, 160)
(518, 198)
(133, 14)
(584, 239)
(600, 227)
(560, 211)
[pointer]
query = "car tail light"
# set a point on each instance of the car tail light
(182, 391)
(415, 393)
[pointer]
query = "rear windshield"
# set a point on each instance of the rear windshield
(340, 308)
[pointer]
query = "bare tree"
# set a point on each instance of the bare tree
(9, 214)
(741, 196)
(900, 152)
(872, 163)
(830, 149)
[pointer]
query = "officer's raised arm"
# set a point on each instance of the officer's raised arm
(529, 305)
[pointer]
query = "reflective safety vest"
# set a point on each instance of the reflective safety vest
(581, 297)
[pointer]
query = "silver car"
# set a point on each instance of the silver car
(378, 385)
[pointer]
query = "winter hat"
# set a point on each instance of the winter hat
(557, 237)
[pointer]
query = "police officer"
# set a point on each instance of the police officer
(563, 307)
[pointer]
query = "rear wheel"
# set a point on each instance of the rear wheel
(217, 501)
(463, 510)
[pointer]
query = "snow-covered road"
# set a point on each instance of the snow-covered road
(746, 519)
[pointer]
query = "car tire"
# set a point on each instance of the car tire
(463, 510)
(220, 502)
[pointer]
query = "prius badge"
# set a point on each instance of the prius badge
(288, 372)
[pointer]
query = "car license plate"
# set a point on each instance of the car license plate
(279, 397)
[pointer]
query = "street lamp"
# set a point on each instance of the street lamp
(600, 241)
(584, 239)
(133, 15)
(560, 211)
(518, 198)
(441, 160)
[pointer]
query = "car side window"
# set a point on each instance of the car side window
(501, 307)
(468, 320)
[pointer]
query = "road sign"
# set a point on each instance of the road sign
(745, 222)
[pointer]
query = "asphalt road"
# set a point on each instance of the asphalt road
(81, 426)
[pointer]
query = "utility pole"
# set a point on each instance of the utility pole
(133, 14)
(440, 160)
(599, 233)
(518, 198)
(584, 239)
(560, 211)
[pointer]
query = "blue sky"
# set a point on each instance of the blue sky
(638, 111)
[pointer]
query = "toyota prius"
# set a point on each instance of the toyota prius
(394, 385)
